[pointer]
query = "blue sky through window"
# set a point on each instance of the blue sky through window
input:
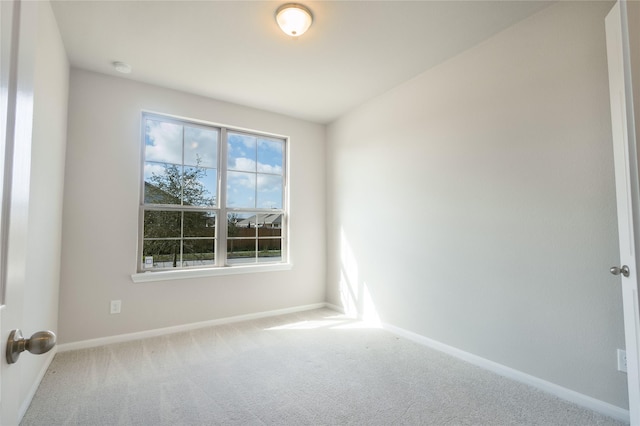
(257, 179)
(200, 146)
(163, 142)
(166, 144)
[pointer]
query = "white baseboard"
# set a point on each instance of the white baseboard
(559, 391)
(34, 387)
(92, 343)
(333, 307)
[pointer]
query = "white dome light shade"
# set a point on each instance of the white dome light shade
(294, 19)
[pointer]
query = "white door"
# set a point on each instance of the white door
(627, 191)
(17, 22)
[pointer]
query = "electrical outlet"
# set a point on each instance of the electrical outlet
(116, 306)
(622, 360)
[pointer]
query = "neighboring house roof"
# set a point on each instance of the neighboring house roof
(270, 220)
(155, 195)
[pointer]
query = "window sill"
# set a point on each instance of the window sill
(143, 277)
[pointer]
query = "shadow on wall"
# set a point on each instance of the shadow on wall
(354, 294)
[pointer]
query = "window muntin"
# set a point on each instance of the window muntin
(183, 196)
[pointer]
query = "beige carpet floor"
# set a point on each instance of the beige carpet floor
(310, 368)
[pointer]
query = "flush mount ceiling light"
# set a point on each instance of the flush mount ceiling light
(122, 67)
(294, 19)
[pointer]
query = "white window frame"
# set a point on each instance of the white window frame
(221, 266)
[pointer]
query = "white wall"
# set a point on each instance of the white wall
(51, 88)
(475, 204)
(99, 251)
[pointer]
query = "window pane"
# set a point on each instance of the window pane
(270, 225)
(270, 154)
(241, 251)
(270, 250)
(163, 253)
(241, 152)
(163, 142)
(200, 147)
(269, 192)
(241, 225)
(199, 224)
(162, 224)
(241, 189)
(198, 252)
(162, 183)
(199, 186)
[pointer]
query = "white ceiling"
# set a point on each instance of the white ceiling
(234, 51)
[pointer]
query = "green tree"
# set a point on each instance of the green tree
(178, 187)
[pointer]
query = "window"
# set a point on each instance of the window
(211, 196)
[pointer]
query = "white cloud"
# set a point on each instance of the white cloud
(239, 179)
(243, 163)
(201, 144)
(151, 169)
(249, 165)
(249, 142)
(163, 142)
(267, 168)
(268, 183)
